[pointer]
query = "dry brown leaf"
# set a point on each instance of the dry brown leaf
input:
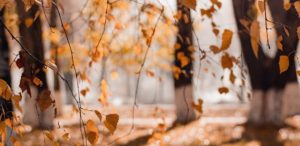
(283, 63)
(111, 122)
(92, 132)
(99, 115)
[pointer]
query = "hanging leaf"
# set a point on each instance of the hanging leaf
(111, 122)
(99, 115)
(92, 132)
(283, 63)
(254, 34)
(44, 100)
(189, 3)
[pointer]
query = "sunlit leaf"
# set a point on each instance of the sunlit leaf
(5, 91)
(226, 39)
(92, 132)
(111, 122)
(283, 63)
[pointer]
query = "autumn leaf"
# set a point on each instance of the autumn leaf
(44, 100)
(184, 61)
(198, 106)
(92, 132)
(283, 63)
(223, 90)
(189, 3)
(5, 91)
(99, 115)
(111, 122)
(254, 34)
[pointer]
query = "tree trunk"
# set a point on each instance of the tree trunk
(183, 72)
(268, 85)
(6, 107)
(31, 38)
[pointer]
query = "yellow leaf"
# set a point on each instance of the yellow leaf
(189, 3)
(283, 63)
(184, 61)
(226, 39)
(111, 122)
(279, 44)
(254, 34)
(5, 91)
(92, 132)
(287, 5)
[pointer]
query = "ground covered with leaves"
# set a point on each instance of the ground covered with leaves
(222, 124)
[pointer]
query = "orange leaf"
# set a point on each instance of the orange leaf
(254, 34)
(111, 122)
(283, 63)
(198, 106)
(92, 132)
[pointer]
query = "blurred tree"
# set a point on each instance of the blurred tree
(269, 102)
(183, 66)
(30, 29)
(6, 107)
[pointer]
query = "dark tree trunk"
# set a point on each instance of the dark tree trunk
(6, 107)
(183, 73)
(267, 82)
(31, 38)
